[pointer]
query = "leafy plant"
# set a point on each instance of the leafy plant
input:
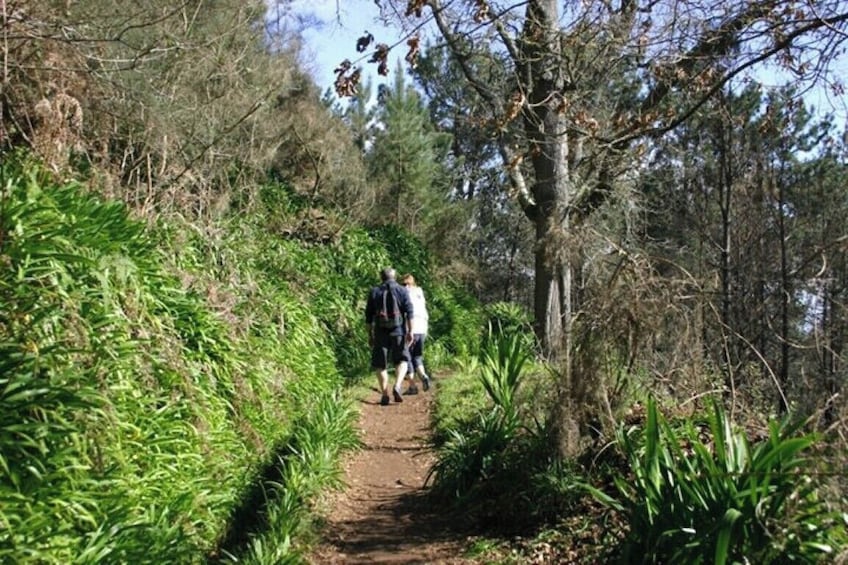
(475, 452)
(470, 457)
(148, 377)
(455, 320)
(511, 318)
(503, 359)
(136, 407)
(708, 495)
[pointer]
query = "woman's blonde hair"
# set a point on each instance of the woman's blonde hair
(408, 279)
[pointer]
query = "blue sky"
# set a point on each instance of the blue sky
(344, 21)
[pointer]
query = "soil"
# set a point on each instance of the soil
(383, 516)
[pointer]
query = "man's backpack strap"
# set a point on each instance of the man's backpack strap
(389, 315)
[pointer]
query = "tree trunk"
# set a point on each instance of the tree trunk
(552, 305)
(547, 131)
(785, 297)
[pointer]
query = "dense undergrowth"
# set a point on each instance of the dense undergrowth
(175, 393)
(684, 489)
(171, 393)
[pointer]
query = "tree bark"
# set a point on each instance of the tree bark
(546, 129)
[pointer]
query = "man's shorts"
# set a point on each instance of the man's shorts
(388, 349)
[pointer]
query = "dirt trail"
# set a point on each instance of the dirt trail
(382, 517)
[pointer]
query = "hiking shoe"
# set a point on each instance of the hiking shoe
(425, 382)
(411, 390)
(396, 393)
(384, 401)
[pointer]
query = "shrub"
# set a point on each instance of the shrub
(494, 459)
(703, 495)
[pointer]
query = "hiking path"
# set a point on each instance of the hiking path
(383, 515)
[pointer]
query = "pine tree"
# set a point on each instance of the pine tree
(404, 159)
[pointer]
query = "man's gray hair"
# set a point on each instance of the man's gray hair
(388, 274)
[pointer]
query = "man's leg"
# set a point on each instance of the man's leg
(401, 374)
(378, 362)
(383, 385)
(383, 380)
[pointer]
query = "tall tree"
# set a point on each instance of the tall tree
(404, 157)
(820, 205)
(589, 83)
(726, 194)
(494, 252)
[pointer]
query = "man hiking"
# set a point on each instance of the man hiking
(388, 318)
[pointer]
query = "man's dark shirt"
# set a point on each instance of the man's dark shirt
(375, 302)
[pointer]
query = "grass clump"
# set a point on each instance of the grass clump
(695, 491)
(493, 453)
(305, 467)
(706, 493)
